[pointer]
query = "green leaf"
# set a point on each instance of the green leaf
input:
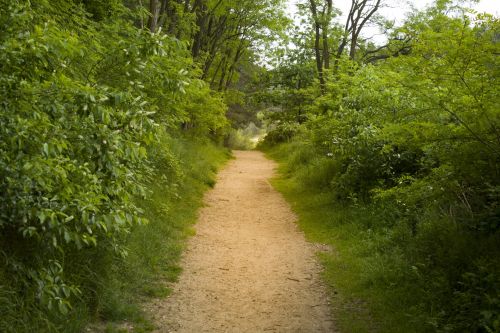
(46, 149)
(67, 236)
(63, 307)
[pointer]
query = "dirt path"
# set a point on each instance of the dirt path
(248, 269)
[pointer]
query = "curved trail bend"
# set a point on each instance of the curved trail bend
(248, 269)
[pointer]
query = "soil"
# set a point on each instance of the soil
(248, 268)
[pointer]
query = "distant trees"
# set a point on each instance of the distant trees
(220, 34)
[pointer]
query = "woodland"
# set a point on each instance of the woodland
(116, 115)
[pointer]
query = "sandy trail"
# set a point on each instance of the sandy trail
(248, 269)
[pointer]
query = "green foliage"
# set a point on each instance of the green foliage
(290, 90)
(181, 177)
(101, 9)
(237, 140)
(383, 277)
(85, 99)
(281, 132)
(411, 147)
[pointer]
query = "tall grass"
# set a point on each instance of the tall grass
(154, 250)
(383, 277)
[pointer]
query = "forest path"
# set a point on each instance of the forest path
(248, 269)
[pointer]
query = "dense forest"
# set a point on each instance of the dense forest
(115, 116)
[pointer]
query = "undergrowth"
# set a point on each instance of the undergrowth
(154, 250)
(116, 287)
(104, 128)
(382, 276)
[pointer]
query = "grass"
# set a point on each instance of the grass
(317, 218)
(115, 288)
(386, 273)
(383, 279)
(154, 250)
(362, 271)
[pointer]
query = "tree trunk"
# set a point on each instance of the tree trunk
(223, 73)
(201, 22)
(214, 46)
(212, 82)
(326, 24)
(153, 18)
(358, 16)
(317, 51)
(232, 68)
(352, 50)
(163, 13)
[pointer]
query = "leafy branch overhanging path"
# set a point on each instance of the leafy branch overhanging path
(248, 269)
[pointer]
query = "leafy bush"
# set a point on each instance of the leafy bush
(84, 103)
(282, 132)
(413, 144)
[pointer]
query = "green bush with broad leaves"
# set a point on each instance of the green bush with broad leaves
(84, 101)
(414, 142)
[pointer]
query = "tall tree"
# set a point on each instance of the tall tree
(219, 32)
(360, 13)
(154, 10)
(321, 16)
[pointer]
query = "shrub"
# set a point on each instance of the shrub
(83, 104)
